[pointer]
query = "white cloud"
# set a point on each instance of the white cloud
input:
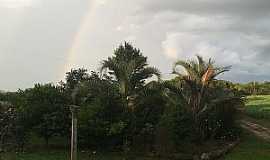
(226, 49)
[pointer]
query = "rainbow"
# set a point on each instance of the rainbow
(84, 26)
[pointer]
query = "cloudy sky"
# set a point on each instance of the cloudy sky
(42, 39)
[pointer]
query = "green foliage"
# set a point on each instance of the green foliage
(258, 107)
(74, 77)
(7, 123)
(254, 88)
(207, 107)
(129, 68)
(100, 118)
(250, 148)
(120, 106)
(46, 111)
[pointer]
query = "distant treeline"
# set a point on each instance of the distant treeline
(251, 88)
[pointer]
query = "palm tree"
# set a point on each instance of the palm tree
(198, 75)
(130, 70)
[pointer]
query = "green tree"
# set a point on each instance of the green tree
(199, 74)
(130, 70)
(21, 122)
(74, 77)
(47, 111)
(198, 94)
(7, 122)
(101, 120)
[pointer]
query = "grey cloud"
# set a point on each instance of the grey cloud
(247, 8)
(38, 46)
(36, 43)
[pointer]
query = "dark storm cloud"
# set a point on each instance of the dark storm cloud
(231, 31)
(245, 8)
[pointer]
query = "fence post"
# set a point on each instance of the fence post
(74, 111)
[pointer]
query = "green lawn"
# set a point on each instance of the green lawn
(251, 148)
(62, 155)
(58, 150)
(36, 156)
(258, 107)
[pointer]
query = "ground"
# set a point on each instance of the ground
(62, 155)
(255, 143)
(250, 148)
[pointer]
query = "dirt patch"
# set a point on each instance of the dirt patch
(256, 129)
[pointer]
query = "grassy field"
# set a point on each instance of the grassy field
(258, 107)
(62, 155)
(251, 148)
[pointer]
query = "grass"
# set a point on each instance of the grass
(58, 150)
(251, 148)
(258, 107)
(62, 155)
(35, 156)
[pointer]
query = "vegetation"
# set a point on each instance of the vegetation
(62, 155)
(258, 107)
(129, 69)
(126, 106)
(253, 88)
(201, 98)
(250, 148)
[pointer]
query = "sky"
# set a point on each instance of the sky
(43, 39)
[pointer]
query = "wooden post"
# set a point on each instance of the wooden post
(74, 112)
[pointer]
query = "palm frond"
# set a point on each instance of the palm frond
(221, 70)
(191, 67)
(150, 71)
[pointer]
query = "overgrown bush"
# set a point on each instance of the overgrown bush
(7, 124)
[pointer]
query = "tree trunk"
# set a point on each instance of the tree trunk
(47, 142)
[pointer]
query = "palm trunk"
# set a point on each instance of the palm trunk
(125, 146)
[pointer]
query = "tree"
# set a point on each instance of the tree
(74, 77)
(101, 114)
(130, 70)
(47, 111)
(18, 119)
(7, 122)
(198, 94)
(199, 75)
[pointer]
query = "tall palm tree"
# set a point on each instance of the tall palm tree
(130, 70)
(198, 75)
